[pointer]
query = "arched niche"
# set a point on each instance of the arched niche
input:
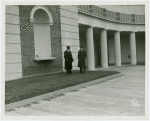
(34, 9)
(42, 19)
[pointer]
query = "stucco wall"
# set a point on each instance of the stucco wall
(125, 48)
(13, 62)
(97, 49)
(111, 53)
(140, 47)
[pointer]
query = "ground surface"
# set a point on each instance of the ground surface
(123, 96)
(18, 90)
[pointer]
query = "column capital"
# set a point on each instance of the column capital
(117, 31)
(111, 30)
(133, 31)
(89, 26)
(104, 29)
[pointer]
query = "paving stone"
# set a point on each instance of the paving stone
(123, 96)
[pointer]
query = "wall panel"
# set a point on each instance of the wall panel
(9, 77)
(12, 48)
(11, 9)
(140, 47)
(12, 58)
(12, 38)
(69, 8)
(13, 68)
(12, 19)
(73, 42)
(69, 21)
(14, 29)
(111, 51)
(69, 28)
(68, 14)
(69, 35)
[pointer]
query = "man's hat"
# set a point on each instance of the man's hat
(68, 47)
(81, 46)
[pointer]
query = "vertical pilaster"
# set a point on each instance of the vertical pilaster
(90, 49)
(69, 31)
(13, 61)
(104, 54)
(117, 48)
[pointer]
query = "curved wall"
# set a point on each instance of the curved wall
(108, 25)
(89, 18)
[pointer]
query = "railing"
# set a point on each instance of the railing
(112, 16)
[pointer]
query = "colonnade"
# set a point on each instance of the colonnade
(104, 55)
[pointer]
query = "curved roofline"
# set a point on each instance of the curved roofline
(102, 13)
(119, 5)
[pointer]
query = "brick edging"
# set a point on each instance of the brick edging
(58, 92)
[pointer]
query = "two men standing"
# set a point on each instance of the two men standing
(69, 59)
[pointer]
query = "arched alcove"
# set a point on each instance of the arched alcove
(42, 19)
(41, 16)
(34, 9)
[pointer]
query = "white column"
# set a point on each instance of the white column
(90, 49)
(133, 48)
(117, 48)
(104, 54)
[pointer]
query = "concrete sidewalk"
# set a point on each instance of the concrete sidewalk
(123, 96)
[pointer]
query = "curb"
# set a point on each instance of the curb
(58, 92)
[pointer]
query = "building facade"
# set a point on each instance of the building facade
(36, 37)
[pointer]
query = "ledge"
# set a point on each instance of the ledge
(47, 58)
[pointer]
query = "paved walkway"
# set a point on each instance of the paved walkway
(123, 96)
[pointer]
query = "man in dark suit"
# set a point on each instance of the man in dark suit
(68, 60)
(81, 59)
